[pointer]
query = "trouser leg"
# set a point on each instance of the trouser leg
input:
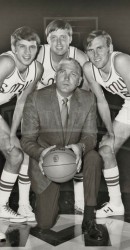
(91, 179)
(47, 206)
(92, 165)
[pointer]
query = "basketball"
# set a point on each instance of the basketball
(59, 165)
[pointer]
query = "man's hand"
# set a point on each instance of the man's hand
(5, 143)
(108, 140)
(14, 142)
(41, 159)
(78, 152)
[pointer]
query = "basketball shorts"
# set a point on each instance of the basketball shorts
(124, 114)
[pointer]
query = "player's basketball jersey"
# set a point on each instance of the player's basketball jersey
(114, 83)
(14, 84)
(44, 57)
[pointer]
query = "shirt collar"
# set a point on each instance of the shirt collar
(60, 97)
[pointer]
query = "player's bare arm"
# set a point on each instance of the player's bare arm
(17, 116)
(41, 54)
(82, 58)
(122, 66)
(7, 66)
(102, 103)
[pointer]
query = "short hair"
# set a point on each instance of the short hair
(25, 33)
(58, 24)
(71, 61)
(96, 33)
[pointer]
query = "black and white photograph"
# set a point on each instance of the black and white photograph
(64, 124)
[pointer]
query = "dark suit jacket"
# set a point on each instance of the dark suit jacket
(42, 127)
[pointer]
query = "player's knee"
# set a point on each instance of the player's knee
(105, 151)
(16, 157)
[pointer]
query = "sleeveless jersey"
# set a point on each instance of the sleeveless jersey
(14, 85)
(44, 57)
(114, 84)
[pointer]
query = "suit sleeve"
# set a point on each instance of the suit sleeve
(31, 129)
(89, 130)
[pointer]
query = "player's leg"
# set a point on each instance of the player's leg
(7, 181)
(79, 195)
(24, 190)
(121, 127)
(122, 133)
(111, 172)
(8, 177)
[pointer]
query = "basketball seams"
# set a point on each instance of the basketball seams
(61, 178)
(59, 152)
(60, 165)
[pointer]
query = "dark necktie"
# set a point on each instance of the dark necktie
(64, 113)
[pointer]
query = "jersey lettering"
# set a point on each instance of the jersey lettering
(16, 88)
(115, 84)
(14, 85)
(50, 81)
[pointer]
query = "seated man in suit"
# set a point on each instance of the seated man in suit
(43, 129)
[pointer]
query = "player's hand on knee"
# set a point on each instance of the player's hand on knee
(14, 142)
(5, 144)
(41, 159)
(78, 152)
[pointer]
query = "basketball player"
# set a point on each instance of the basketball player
(109, 70)
(19, 73)
(59, 37)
